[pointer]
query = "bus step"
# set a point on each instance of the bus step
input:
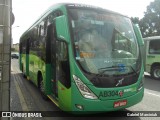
(55, 101)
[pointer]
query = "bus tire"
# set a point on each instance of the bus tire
(155, 72)
(41, 87)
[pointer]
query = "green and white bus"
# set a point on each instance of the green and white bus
(152, 56)
(84, 58)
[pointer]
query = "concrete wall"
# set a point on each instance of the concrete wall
(5, 46)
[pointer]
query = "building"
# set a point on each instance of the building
(15, 46)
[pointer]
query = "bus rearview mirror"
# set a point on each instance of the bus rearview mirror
(138, 35)
(61, 28)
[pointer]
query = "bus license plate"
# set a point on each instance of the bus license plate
(120, 103)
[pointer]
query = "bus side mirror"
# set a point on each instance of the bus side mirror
(138, 35)
(61, 28)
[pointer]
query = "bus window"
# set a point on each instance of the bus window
(120, 42)
(62, 63)
(96, 37)
(154, 47)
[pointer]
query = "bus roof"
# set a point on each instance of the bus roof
(74, 5)
(78, 5)
(152, 38)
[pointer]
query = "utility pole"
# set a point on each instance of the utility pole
(5, 50)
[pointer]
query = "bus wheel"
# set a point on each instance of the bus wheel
(41, 87)
(155, 72)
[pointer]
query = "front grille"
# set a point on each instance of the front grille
(113, 81)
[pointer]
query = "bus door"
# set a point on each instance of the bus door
(53, 68)
(58, 59)
(51, 57)
(60, 70)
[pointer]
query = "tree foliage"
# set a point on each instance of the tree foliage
(135, 20)
(150, 23)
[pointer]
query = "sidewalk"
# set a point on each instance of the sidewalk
(15, 104)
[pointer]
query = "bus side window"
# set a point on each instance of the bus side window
(62, 61)
(154, 47)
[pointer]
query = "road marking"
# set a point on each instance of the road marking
(153, 94)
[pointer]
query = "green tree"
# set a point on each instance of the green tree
(141, 24)
(135, 20)
(150, 23)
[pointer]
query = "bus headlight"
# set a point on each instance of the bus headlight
(84, 90)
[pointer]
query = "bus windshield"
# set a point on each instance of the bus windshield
(104, 42)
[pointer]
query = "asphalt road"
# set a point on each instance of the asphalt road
(24, 96)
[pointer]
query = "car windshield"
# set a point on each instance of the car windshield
(104, 42)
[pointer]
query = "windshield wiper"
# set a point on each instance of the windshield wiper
(106, 68)
(113, 68)
(133, 69)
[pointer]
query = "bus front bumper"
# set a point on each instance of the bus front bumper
(87, 105)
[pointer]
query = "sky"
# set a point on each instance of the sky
(26, 12)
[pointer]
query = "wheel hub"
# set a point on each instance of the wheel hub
(157, 73)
